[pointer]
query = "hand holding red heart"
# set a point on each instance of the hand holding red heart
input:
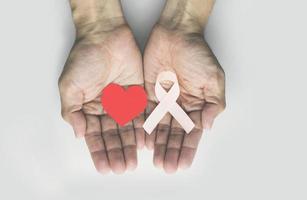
(105, 52)
(98, 58)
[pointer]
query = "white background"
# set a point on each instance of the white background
(257, 149)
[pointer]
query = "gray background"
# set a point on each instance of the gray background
(257, 149)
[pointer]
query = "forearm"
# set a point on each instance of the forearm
(190, 14)
(92, 16)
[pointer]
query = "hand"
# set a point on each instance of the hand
(104, 52)
(182, 49)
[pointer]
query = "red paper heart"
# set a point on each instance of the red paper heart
(123, 105)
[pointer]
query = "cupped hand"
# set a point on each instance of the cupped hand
(97, 59)
(202, 87)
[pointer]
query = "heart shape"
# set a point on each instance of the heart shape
(123, 105)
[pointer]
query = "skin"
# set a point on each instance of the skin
(105, 51)
(177, 44)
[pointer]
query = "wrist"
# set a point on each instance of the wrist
(186, 15)
(95, 16)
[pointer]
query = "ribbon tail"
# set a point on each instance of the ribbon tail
(182, 118)
(153, 119)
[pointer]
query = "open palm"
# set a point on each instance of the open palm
(94, 62)
(201, 81)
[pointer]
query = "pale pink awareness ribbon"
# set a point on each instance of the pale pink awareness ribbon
(168, 104)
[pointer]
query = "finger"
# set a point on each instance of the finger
(128, 141)
(215, 99)
(210, 112)
(162, 133)
(78, 122)
(113, 144)
(190, 142)
(173, 147)
(95, 144)
(150, 138)
(139, 131)
(71, 103)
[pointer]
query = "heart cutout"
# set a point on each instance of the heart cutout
(123, 105)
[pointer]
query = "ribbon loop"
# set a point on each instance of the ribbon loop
(168, 104)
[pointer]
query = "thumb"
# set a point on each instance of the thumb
(209, 113)
(72, 101)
